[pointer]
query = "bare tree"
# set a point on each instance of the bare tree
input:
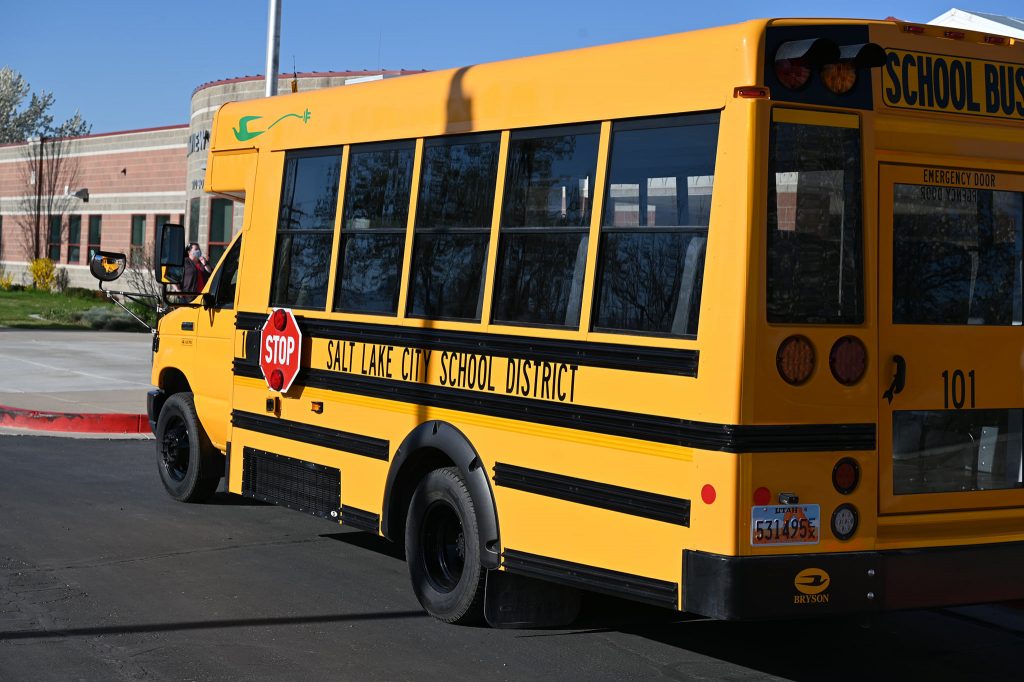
(47, 171)
(50, 170)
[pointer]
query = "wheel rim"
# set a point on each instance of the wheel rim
(174, 451)
(444, 546)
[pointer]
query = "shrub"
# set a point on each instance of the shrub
(44, 275)
(110, 318)
(145, 312)
(60, 280)
(6, 281)
(86, 294)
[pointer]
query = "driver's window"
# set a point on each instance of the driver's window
(225, 280)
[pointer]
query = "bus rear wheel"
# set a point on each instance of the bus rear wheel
(188, 463)
(442, 547)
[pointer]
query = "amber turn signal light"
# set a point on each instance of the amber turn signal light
(795, 360)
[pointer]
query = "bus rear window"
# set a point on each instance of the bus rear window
(815, 253)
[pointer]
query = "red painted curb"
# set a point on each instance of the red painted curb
(73, 422)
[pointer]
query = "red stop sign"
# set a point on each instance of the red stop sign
(280, 349)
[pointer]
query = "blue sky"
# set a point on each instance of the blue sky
(134, 64)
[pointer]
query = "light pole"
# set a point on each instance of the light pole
(273, 46)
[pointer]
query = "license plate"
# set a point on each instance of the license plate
(793, 524)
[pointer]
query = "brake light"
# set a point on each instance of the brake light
(848, 360)
(762, 497)
(846, 475)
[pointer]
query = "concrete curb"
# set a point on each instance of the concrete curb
(72, 422)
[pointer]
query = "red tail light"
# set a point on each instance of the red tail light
(848, 360)
(846, 475)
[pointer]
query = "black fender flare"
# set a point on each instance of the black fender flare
(442, 437)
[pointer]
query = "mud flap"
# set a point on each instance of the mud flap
(516, 601)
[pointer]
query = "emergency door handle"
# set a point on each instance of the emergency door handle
(899, 380)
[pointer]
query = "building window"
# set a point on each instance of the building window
(220, 227)
(193, 220)
(542, 252)
(305, 223)
(158, 222)
(655, 229)
(95, 223)
(453, 226)
(74, 238)
(53, 244)
(136, 254)
(374, 220)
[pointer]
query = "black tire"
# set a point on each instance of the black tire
(190, 467)
(442, 548)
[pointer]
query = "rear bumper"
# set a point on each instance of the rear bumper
(808, 585)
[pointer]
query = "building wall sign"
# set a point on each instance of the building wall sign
(198, 141)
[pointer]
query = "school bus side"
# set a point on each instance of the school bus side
(643, 449)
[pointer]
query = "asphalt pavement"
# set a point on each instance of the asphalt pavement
(105, 577)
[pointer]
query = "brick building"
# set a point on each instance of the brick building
(213, 220)
(137, 179)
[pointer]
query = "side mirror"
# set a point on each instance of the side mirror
(170, 253)
(107, 266)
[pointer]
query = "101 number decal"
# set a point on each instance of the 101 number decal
(955, 388)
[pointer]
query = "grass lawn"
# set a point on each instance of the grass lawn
(18, 307)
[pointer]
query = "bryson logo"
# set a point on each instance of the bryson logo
(811, 583)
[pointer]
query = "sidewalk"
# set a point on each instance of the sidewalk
(74, 381)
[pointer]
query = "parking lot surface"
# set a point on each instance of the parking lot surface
(104, 577)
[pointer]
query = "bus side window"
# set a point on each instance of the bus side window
(655, 227)
(453, 226)
(305, 224)
(542, 252)
(373, 225)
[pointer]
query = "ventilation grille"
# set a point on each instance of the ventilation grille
(292, 483)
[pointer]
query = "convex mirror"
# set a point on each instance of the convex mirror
(106, 266)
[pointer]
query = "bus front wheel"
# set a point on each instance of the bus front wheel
(185, 458)
(442, 547)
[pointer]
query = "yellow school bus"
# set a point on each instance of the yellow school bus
(727, 321)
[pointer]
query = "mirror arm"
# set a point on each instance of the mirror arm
(138, 298)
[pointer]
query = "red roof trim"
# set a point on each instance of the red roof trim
(311, 74)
